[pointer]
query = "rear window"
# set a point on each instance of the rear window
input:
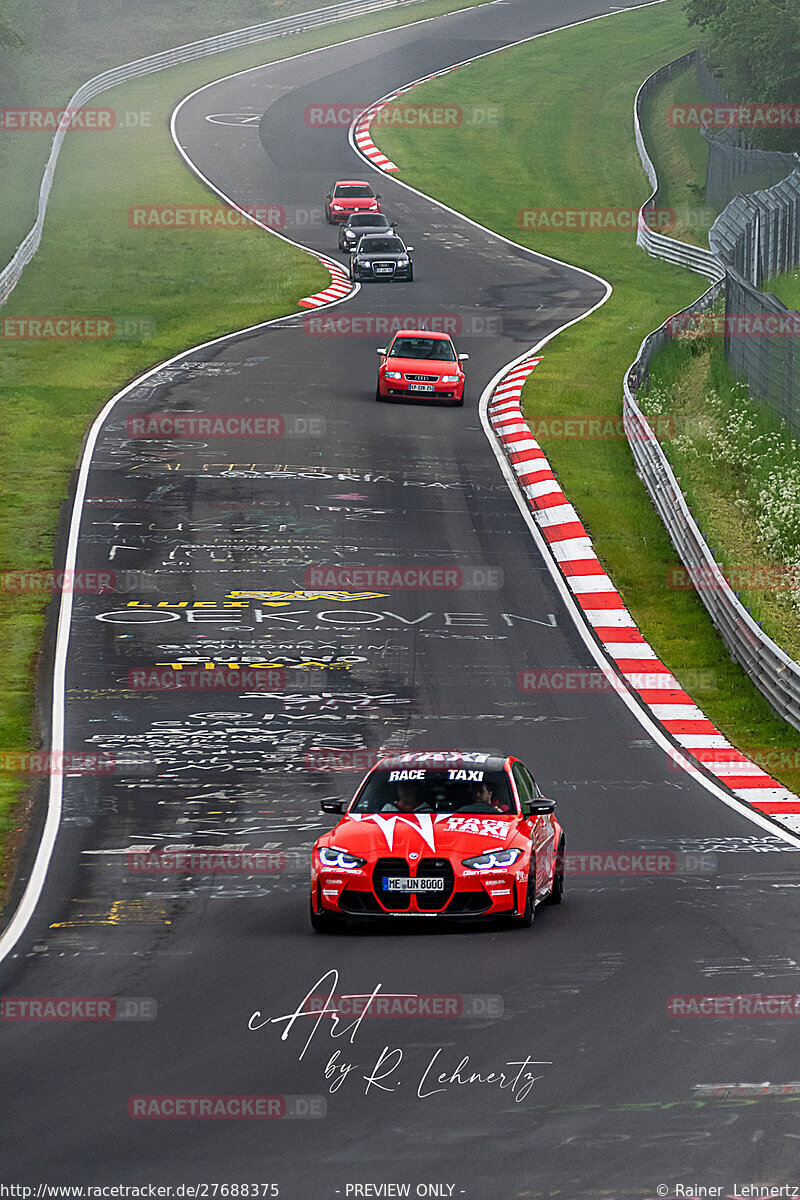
(455, 790)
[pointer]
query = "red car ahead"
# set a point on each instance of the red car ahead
(349, 196)
(439, 834)
(421, 363)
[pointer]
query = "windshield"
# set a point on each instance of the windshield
(456, 790)
(355, 191)
(379, 245)
(367, 220)
(422, 347)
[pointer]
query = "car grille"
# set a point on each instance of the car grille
(397, 901)
(435, 868)
(421, 378)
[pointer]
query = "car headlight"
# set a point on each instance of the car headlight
(403, 261)
(392, 375)
(331, 856)
(494, 858)
(448, 379)
(335, 205)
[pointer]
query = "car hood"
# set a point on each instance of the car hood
(425, 834)
(423, 366)
(355, 202)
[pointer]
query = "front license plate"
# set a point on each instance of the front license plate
(384, 270)
(420, 387)
(402, 884)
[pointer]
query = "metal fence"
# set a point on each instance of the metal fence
(190, 52)
(771, 242)
(734, 165)
(758, 237)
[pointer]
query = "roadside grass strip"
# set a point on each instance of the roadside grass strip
(572, 149)
(786, 288)
(604, 610)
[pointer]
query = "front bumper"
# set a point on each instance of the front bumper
(338, 217)
(399, 387)
(366, 271)
(464, 893)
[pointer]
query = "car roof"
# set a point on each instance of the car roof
(435, 758)
(427, 333)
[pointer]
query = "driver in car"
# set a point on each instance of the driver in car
(483, 793)
(407, 799)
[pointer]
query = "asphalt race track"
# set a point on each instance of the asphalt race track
(621, 1102)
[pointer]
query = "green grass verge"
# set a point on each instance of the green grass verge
(727, 455)
(786, 288)
(189, 286)
(569, 146)
(680, 157)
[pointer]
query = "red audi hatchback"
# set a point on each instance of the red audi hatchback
(420, 364)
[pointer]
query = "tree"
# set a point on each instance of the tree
(756, 46)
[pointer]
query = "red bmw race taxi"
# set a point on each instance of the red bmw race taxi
(420, 364)
(349, 196)
(439, 834)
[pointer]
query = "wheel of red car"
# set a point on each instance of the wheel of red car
(557, 890)
(322, 922)
(525, 918)
(378, 395)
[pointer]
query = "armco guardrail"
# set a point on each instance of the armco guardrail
(775, 675)
(656, 244)
(158, 62)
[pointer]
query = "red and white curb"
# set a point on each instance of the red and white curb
(341, 285)
(365, 142)
(605, 612)
(361, 134)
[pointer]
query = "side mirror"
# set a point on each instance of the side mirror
(377, 195)
(393, 224)
(541, 807)
(409, 249)
(462, 357)
(332, 806)
(381, 350)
